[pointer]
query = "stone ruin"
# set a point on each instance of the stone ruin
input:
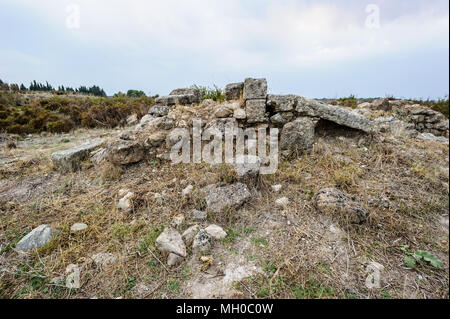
(296, 116)
(247, 105)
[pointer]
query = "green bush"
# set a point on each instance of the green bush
(60, 126)
(214, 93)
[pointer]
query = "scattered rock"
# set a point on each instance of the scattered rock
(239, 114)
(174, 260)
(73, 277)
(37, 238)
(170, 241)
(333, 201)
(187, 191)
(178, 220)
(443, 220)
(282, 202)
(149, 121)
(207, 103)
(141, 290)
(125, 201)
(202, 242)
(104, 259)
(122, 192)
(371, 281)
(276, 188)
(78, 227)
(381, 105)
(156, 139)
(132, 119)
(384, 119)
(363, 105)
(125, 152)
(189, 234)
(198, 216)
(70, 160)
(231, 196)
(233, 91)
(431, 137)
(159, 110)
(126, 136)
(216, 232)
(223, 112)
(247, 168)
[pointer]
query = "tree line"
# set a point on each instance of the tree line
(46, 87)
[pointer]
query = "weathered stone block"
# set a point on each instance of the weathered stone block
(255, 89)
(336, 114)
(159, 110)
(297, 136)
(282, 103)
(197, 93)
(256, 111)
(234, 91)
(176, 99)
(37, 238)
(70, 160)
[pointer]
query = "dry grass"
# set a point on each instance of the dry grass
(301, 253)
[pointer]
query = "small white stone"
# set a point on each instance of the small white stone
(282, 202)
(125, 202)
(276, 188)
(198, 216)
(189, 234)
(170, 241)
(123, 192)
(73, 277)
(78, 227)
(103, 259)
(334, 229)
(187, 190)
(178, 220)
(240, 114)
(216, 232)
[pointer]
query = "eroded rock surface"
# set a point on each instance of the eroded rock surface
(334, 202)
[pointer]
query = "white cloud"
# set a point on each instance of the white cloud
(247, 36)
(299, 34)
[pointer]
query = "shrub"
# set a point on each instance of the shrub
(214, 93)
(60, 114)
(60, 126)
(135, 93)
(350, 101)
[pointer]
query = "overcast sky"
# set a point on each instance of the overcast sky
(312, 48)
